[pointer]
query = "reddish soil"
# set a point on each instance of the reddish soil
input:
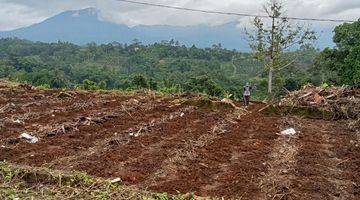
(156, 143)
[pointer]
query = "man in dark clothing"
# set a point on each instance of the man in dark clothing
(247, 93)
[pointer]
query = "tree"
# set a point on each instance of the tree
(345, 57)
(203, 84)
(152, 84)
(89, 85)
(271, 39)
(6, 71)
(139, 81)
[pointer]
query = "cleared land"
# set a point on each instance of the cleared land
(179, 144)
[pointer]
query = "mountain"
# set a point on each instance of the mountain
(84, 26)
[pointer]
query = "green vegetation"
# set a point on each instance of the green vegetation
(344, 59)
(167, 67)
(39, 183)
(170, 67)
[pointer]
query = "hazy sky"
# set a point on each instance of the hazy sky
(19, 13)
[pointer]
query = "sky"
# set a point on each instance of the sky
(20, 13)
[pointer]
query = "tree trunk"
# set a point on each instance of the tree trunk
(271, 54)
(270, 81)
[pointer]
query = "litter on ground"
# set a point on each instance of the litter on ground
(289, 132)
(29, 138)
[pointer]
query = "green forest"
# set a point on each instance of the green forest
(171, 67)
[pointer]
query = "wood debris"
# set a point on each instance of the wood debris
(343, 102)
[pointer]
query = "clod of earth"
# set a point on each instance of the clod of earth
(64, 95)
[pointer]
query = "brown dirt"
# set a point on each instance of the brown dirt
(156, 143)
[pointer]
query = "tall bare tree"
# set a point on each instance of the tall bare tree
(271, 38)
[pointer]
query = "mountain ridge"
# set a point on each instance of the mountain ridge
(86, 26)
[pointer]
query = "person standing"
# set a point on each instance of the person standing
(247, 94)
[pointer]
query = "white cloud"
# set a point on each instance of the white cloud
(15, 16)
(130, 14)
(19, 13)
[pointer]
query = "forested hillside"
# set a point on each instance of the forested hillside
(166, 66)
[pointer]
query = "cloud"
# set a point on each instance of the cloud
(131, 14)
(15, 16)
(19, 13)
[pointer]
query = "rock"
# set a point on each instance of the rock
(14, 140)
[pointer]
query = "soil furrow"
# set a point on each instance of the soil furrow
(115, 134)
(319, 175)
(125, 153)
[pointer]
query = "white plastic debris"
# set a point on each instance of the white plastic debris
(29, 138)
(18, 121)
(289, 131)
(137, 134)
(182, 114)
(134, 134)
(116, 180)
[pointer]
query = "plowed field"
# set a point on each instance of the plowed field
(159, 143)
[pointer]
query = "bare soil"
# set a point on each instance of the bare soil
(157, 143)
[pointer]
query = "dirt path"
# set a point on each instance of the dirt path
(278, 180)
(192, 139)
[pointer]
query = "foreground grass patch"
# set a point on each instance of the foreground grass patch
(21, 182)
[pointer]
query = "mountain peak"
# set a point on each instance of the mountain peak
(84, 12)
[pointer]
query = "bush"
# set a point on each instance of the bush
(292, 84)
(152, 84)
(205, 85)
(89, 85)
(139, 81)
(44, 86)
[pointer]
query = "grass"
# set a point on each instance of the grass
(22, 182)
